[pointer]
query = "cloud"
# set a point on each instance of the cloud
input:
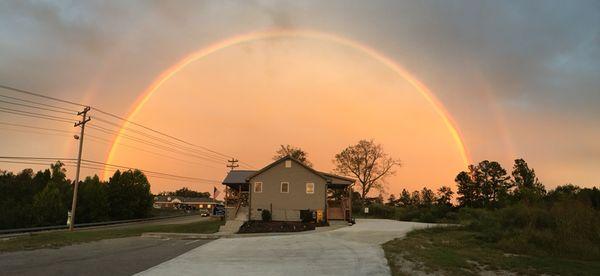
(534, 57)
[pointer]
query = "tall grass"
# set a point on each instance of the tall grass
(567, 229)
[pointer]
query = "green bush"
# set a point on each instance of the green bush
(307, 215)
(266, 215)
(567, 229)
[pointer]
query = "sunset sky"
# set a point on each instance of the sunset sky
(510, 79)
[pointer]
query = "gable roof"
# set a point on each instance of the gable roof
(337, 179)
(284, 159)
(244, 176)
(237, 176)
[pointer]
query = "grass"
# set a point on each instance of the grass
(459, 251)
(57, 239)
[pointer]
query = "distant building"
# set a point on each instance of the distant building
(285, 188)
(185, 203)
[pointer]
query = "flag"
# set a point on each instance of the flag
(215, 192)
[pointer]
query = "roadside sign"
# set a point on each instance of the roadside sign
(366, 210)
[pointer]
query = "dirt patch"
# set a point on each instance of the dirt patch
(275, 226)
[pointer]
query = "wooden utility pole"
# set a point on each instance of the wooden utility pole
(81, 123)
(233, 163)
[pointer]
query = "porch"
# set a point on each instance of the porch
(339, 202)
(236, 201)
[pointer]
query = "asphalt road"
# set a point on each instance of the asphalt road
(354, 250)
(125, 256)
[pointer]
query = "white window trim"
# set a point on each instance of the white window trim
(261, 187)
(313, 188)
(281, 188)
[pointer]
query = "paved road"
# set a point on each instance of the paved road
(352, 250)
(125, 256)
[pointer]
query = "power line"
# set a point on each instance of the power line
(35, 115)
(33, 127)
(108, 142)
(153, 172)
(95, 139)
(163, 147)
(221, 159)
(35, 158)
(158, 132)
(39, 95)
(95, 165)
(37, 107)
(114, 116)
(34, 132)
(38, 103)
(73, 165)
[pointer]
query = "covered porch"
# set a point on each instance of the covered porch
(237, 194)
(339, 197)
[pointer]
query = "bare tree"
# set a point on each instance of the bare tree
(295, 152)
(367, 162)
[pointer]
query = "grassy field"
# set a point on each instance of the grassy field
(458, 251)
(58, 239)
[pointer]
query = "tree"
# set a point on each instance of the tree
(405, 199)
(427, 197)
(415, 199)
(295, 152)
(367, 162)
(93, 201)
(493, 180)
(129, 195)
(392, 201)
(468, 190)
(185, 192)
(48, 206)
(483, 185)
(444, 196)
(527, 186)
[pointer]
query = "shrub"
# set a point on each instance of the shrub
(266, 215)
(307, 215)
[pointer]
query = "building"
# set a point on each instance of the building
(185, 203)
(285, 187)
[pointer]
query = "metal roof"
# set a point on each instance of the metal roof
(242, 176)
(237, 176)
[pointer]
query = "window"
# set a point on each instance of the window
(288, 163)
(310, 188)
(258, 187)
(285, 187)
(208, 206)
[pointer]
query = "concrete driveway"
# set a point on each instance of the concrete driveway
(354, 250)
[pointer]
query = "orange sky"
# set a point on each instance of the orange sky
(247, 100)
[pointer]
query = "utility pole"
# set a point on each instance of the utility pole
(233, 163)
(81, 123)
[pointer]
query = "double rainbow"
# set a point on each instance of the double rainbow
(283, 33)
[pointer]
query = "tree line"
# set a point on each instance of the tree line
(43, 198)
(186, 192)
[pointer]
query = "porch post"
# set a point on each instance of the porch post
(325, 212)
(250, 201)
(350, 201)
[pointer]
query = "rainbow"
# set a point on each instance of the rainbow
(294, 33)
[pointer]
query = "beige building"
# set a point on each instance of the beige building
(285, 187)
